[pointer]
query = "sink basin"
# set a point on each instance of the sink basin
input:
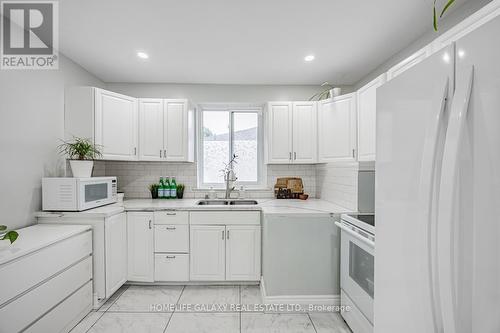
(226, 202)
(242, 202)
(212, 202)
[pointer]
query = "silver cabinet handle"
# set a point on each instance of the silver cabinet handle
(149, 224)
(170, 228)
(290, 156)
(160, 153)
(135, 151)
(222, 234)
(294, 155)
(171, 214)
(353, 153)
(227, 235)
(170, 257)
(164, 153)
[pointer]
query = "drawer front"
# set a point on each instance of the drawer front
(172, 238)
(21, 312)
(171, 217)
(67, 314)
(26, 272)
(225, 218)
(171, 267)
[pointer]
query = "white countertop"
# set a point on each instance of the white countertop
(36, 237)
(267, 206)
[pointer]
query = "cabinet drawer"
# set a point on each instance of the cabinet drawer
(26, 272)
(225, 218)
(172, 238)
(171, 217)
(171, 267)
(67, 314)
(21, 312)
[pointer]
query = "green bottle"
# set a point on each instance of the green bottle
(173, 189)
(166, 191)
(161, 187)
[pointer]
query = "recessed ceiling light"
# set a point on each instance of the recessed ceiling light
(142, 55)
(309, 58)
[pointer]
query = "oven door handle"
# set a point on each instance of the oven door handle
(356, 235)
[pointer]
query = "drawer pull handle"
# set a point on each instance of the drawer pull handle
(171, 214)
(227, 236)
(170, 257)
(170, 228)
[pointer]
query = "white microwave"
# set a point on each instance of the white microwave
(77, 194)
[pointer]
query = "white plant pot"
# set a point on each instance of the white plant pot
(81, 168)
(335, 92)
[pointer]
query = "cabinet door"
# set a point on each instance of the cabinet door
(279, 133)
(305, 136)
(207, 249)
(175, 119)
(337, 129)
(367, 116)
(116, 118)
(242, 253)
(115, 240)
(140, 247)
(151, 129)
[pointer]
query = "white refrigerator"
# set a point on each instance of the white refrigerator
(437, 254)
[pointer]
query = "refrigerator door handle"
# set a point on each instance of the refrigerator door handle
(447, 204)
(429, 174)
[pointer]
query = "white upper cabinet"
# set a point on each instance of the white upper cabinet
(409, 62)
(305, 138)
(166, 128)
(107, 118)
(279, 132)
(337, 129)
(116, 125)
(367, 116)
(291, 132)
(151, 129)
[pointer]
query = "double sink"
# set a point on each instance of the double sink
(219, 202)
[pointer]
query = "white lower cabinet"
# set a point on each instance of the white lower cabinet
(116, 252)
(207, 252)
(242, 253)
(225, 246)
(140, 246)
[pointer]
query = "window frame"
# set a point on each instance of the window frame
(232, 109)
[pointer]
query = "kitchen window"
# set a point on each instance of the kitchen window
(225, 131)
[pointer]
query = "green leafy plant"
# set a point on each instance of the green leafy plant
(435, 16)
(153, 188)
(80, 149)
(180, 191)
(323, 94)
(10, 235)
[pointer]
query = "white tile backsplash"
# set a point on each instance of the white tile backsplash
(338, 183)
(135, 177)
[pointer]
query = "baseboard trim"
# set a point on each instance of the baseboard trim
(298, 299)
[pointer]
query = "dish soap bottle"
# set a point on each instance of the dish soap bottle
(242, 193)
(211, 194)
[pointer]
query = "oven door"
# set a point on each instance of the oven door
(94, 193)
(357, 270)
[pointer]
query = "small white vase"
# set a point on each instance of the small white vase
(335, 92)
(81, 168)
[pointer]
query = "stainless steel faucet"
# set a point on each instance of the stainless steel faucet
(230, 178)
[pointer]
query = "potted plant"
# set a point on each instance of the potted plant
(7, 235)
(435, 16)
(153, 188)
(81, 153)
(328, 91)
(180, 191)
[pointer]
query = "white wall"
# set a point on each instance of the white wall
(31, 124)
(214, 93)
(450, 20)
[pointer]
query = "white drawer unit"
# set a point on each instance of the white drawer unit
(172, 238)
(171, 217)
(40, 294)
(171, 267)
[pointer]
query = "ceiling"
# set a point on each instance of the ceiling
(239, 42)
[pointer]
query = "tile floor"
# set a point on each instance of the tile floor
(145, 309)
